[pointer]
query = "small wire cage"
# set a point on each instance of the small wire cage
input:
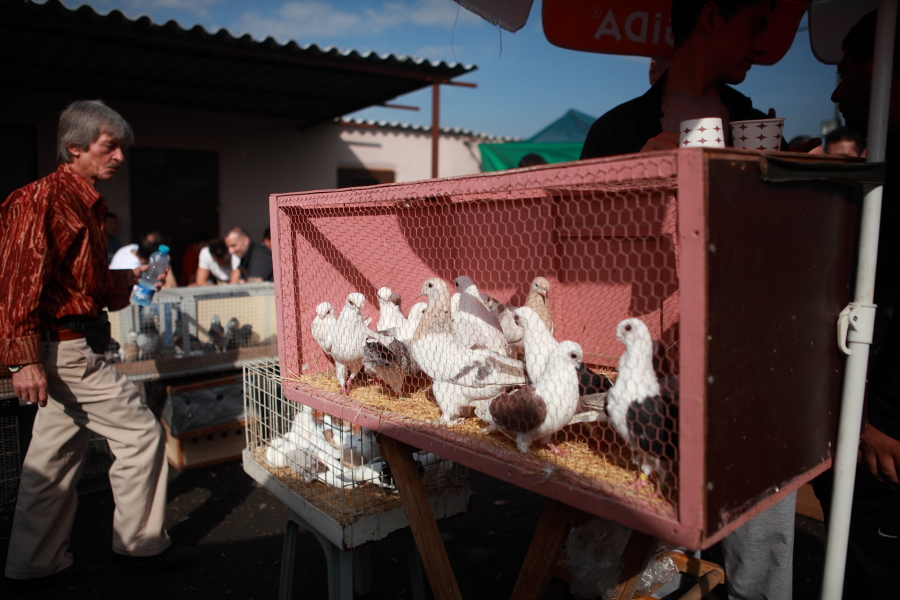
(596, 331)
(328, 462)
(6, 387)
(10, 458)
(194, 330)
(97, 461)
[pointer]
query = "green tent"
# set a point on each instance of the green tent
(561, 141)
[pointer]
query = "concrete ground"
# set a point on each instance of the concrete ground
(239, 528)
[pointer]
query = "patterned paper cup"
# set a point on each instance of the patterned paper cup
(759, 134)
(701, 133)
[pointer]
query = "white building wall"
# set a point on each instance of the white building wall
(257, 155)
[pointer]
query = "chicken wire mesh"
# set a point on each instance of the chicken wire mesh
(531, 323)
(516, 344)
(328, 462)
(194, 330)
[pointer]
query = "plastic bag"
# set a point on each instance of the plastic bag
(594, 556)
(595, 551)
(660, 570)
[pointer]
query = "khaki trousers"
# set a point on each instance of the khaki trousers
(87, 394)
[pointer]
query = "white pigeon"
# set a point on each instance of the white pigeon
(538, 341)
(408, 329)
(538, 344)
(536, 413)
(507, 320)
(348, 340)
(389, 314)
(460, 375)
(637, 411)
(303, 420)
(301, 456)
(511, 330)
(538, 300)
(321, 326)
(473, 324)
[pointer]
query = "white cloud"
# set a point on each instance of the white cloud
(307, 20)
(442, 12)
(197, 7)
(438, 53)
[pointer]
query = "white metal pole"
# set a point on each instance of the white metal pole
(862, 313)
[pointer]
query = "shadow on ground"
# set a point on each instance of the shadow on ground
(239, 528)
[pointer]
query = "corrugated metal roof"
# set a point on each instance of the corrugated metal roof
(48, 46)
(425, 129)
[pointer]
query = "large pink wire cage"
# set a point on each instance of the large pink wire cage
(738, 281)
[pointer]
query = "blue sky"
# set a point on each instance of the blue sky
(524, 83)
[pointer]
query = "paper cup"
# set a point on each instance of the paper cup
(758, 134)
(701, 133)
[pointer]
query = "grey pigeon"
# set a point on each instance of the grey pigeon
(240, 336)
(388, 359)
(218, 335)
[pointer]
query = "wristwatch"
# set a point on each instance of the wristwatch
(14, 368)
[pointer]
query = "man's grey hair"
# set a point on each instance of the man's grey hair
(83, 122)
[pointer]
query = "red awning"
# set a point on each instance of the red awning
(641, 27)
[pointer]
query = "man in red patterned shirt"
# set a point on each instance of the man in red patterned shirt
(53, 332)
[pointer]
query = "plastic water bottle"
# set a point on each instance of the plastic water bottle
(146, 287)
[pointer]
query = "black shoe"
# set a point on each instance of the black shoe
(174, 557)
(72, 574)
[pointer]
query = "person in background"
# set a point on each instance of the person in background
(845, 142)
(873, 552)
(267, 238)
(128, 256)
(215, 264)
(255, 259)
(716, 43)
(110, 230)
(190, 260)
(720, 40)
(53, 331)
(532, 160)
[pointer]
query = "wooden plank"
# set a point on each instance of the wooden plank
(421, 519)
(203, 382)
(195, 449)
(547, 543)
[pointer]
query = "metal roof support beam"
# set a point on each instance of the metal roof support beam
(436, 119)
(435, 127)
